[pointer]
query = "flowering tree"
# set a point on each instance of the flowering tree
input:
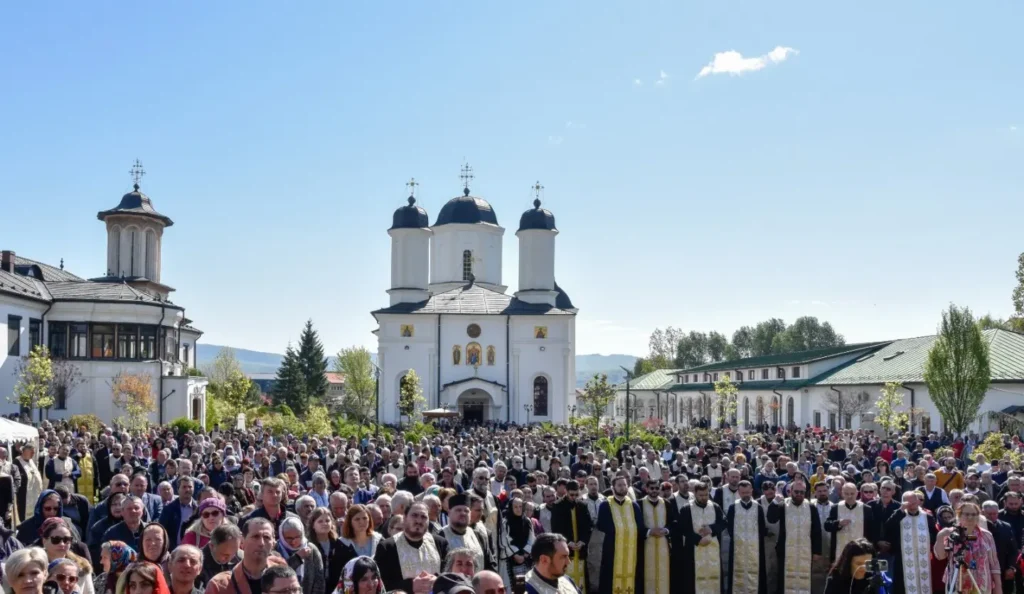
(890, 417)
(35, 379)
(726, 392)
(133, 393)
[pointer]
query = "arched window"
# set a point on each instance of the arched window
(760, 410)
(467, 265)
(790, 413)
(540, 397)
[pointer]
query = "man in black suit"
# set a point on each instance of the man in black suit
(1006, 545)
(109, 465)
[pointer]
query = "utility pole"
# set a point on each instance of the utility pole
(629, 377)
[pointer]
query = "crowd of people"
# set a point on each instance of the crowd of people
(496, 509)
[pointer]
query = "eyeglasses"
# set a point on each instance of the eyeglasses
(59, 540)
(71, 579)
(211, 514)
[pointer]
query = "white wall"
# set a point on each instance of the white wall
(26, 310)
(410, 259)
(447, 244)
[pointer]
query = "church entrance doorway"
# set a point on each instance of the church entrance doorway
(474, 406)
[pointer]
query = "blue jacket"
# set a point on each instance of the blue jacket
(121, 531)
(153, 507)
(170, 518)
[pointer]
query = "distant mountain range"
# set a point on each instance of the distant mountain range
(260, 362)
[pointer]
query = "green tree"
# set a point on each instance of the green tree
(235, 392)
(596, 397)
(313, 364)
(664, 343)
(717, 344)
(1018, 293)
(764, 337)
(359, 403)
(987, 322)
(35, 379)
(807, 333)
(410, 397)
(890, 415)
(726, 392)
(957, 370)
(692, 350)
(742, 344)
(223, 366)
(290, 385)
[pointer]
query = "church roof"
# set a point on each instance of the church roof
(473, 299)
(138, 204)
(410, 216)
(537, 218)
(466, 209)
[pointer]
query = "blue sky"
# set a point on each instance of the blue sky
(870, 178)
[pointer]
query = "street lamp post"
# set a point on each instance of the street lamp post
(629, 377)
(376, 399)
(529, 409)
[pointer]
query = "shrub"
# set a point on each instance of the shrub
(183, 425)
(92, 423)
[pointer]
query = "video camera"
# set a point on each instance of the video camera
(956, 538)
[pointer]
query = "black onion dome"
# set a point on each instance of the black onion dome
(138, 204)
(410, 216)
(537, 218)
(562, 300)
(466, 209)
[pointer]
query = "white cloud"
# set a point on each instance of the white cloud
(662, 78)
(637, 82)
(732, 62)
(555, 139)
(1013, 128)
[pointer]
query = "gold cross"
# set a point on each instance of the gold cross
(537, 189)
(412, 183)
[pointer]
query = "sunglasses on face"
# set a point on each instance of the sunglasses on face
(211, 514)
(51, 508)
(59, 540)
(71, 579)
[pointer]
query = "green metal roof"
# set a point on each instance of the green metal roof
(788, 358)
(764, 385)
(656, 380)
(904, 361)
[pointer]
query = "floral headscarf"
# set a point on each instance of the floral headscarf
(121, 556)
(354, 571)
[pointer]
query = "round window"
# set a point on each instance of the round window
(473, 331)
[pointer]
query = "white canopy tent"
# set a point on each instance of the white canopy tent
(13, 431)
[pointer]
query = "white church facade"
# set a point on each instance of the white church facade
(476, 349)
(122, 321)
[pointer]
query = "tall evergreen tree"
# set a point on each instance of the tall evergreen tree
(313, 364)
(290, 386)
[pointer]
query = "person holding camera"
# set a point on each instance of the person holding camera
(850, 573)
(973, 562)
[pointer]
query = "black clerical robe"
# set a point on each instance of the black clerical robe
(606, 524)
(777, 513)
(387, 558)
(731, 582)
(893, 533)
(687, 578)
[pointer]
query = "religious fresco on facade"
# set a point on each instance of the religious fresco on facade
(490, 355)
(540, 332)
(456, 355)
(408, 330)
(473, 354)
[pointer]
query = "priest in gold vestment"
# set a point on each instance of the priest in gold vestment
(746, 561)
(701, 523)
(799, 539)
(620, 519)
(660, 520)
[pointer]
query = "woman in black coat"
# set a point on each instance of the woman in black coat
(323, 533)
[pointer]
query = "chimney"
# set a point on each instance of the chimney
(7, 261)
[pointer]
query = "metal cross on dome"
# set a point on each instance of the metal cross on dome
(537, 189)
(137, 172)
(465, 176)
(412, 183)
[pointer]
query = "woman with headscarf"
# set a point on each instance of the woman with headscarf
(154, 544)
(360, 576)
(115, 556)
(516, 541)
(56, 538)
(67, 575)
(142, 577)
(303, 557)
(211, 513)
(319, 491)
(48, 505)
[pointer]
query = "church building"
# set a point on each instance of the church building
(477, 350)
(120, 321)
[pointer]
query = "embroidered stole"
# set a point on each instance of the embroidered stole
(656, 561)
(577, 569)
(916, 563)
(468, 540)
(853, 530)
(746, 558)
(706, 559)
(535, 585)
(797, 556)
(33, 488)
(413, 560)
(624, 570)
